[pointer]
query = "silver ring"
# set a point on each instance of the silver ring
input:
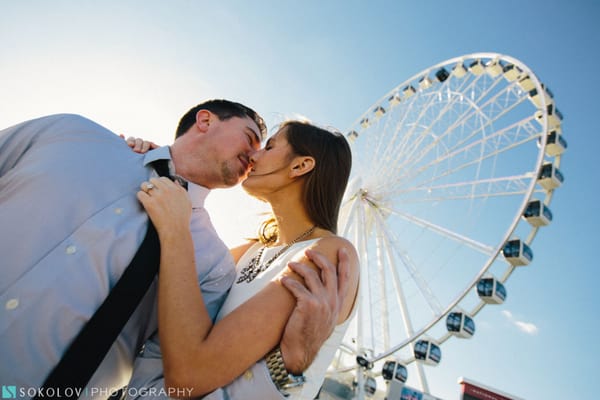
(149, 187)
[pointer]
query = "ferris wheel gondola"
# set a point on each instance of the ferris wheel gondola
(517, 252)
(460, 324)
(491, 290)
(550, 176)
(537, 213)
(428, 351)
(555, 144)
(445, 168)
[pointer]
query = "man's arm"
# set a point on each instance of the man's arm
(318, 305)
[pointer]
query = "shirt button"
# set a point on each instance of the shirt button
(118, 211)
(12, 304)
(71, 250)
(248, 375)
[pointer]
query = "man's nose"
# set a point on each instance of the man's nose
(253, 156)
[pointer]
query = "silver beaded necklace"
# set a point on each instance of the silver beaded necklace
(255, 267)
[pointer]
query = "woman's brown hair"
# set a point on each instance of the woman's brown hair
(326, 182)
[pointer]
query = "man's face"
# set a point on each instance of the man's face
(235, 140)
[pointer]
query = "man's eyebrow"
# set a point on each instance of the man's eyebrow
(254, 133)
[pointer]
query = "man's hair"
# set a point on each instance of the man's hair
(224, 109)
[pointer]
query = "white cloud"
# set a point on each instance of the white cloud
(526, 327)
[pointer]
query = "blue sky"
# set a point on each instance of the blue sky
(135, 66)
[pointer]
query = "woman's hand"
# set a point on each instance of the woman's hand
(139, 145)
(167, 205)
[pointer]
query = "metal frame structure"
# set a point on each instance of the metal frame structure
(445, 165)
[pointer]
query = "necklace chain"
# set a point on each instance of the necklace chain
(254, 268)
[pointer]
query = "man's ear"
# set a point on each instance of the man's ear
(203, 120)
(301, 166)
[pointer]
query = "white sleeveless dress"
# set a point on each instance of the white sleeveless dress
(240, 292)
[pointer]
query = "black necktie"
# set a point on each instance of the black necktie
(162, 169)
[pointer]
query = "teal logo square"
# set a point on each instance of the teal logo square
(9, 392)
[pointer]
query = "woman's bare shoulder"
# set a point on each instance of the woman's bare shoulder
(331, 245)
(238, 251)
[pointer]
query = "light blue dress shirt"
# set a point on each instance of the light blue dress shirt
(70, 224)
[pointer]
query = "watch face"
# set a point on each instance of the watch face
(294, 380)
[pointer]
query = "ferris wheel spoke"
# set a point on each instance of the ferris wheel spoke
(346, 220)
(385, 328)
(451, 170)
(411, 133)
(496, 107)
(480, 247)
(477, 189)
(385, 152)
(401, 301)
(411, 268)
(488, 113)
(490, 146)
(430, 125)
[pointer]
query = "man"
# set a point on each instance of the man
(72, 224)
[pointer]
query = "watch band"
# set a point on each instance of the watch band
(281, 377)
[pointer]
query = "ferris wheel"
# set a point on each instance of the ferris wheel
(453, 173)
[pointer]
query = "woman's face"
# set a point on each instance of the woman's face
(269, 170)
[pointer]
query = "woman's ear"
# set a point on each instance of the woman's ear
(203, 119)
(301, 165)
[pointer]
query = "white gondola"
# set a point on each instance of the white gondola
(460, 324)
(393, 370)
(352, 135)
(459, 70)
(555, 144)
(441, 74)
(408, 91)
(550, 177)
(364, 122)
(526, 83)
(493, 68)
(537, 213)
(394, 99)
(394, 374)
(491, 290)
(517, 252)
(476, 67)
(364, 362)
(379, 111)
(536, 97)
(555, 117)
(511, 72)
(427, 351)
(370, 386)
(425, 82)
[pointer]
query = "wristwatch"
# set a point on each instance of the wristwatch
(282, 379)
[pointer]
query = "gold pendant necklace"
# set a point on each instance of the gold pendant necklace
(254, 268)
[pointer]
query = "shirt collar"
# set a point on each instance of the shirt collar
(196, 192)
(161, 153)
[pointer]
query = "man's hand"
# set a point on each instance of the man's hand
(318, 305)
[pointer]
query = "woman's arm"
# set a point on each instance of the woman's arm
(196, 354)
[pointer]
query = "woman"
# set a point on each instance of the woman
(302, 173)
